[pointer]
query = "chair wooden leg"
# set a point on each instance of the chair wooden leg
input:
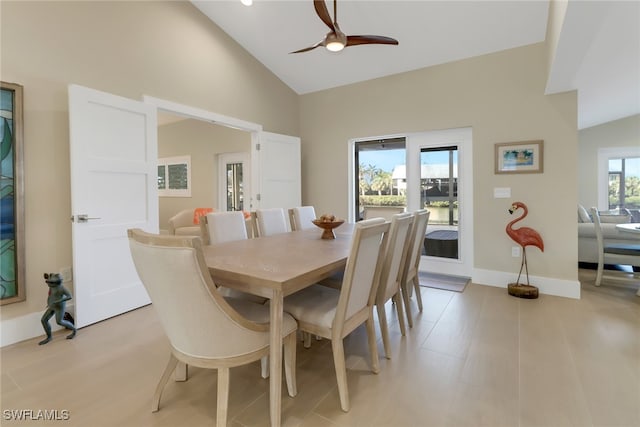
(341, 372)
(223, 397)
(416, 287)
(290, 363)
(171, 366)
(600, 271)
(373, 345)
(182, 372)
(264, 367)
(306, 338)
(398, 301)
(384, 330)
(407, 304)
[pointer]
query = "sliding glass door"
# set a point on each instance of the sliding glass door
(431, 170)
(379, 177)
(439, 178)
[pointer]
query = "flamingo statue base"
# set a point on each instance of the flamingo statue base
(523, 291)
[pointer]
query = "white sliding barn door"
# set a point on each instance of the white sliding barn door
(113, 148)
(275, 161)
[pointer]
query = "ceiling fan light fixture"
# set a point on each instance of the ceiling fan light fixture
(336, 40)
(335, 46)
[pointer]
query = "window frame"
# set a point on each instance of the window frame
(166, 162)
(604, 155)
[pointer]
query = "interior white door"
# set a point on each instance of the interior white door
(275, 162)
(113, 149)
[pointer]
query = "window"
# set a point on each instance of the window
(624, 183)
(619, 180)
(174, 176)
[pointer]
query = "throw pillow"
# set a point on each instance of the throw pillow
(583, 215)
(198, 212)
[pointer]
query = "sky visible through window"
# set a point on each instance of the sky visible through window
(388, 159)
(631, 166)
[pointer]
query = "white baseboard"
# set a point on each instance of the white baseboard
(546, 285)
(26, 327)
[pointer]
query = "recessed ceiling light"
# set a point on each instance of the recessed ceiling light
(247, 2)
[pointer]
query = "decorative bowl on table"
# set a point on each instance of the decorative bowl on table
(328, 223)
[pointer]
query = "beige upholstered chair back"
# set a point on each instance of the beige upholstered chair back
(415, 242)
(196, 318)
(301, 217)
(271, 221)
(362, 270)
(223, 227)
(394, 256)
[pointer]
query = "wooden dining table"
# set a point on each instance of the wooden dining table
(274, 267)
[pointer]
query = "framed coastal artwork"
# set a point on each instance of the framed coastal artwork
(519, 157)
(12, 272)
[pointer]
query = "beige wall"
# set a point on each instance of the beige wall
(617, 134)
(167, 50)
(203, 141)
(501, 96)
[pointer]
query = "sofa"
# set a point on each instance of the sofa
(186, 222)
(587, 244)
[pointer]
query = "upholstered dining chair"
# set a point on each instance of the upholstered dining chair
(270, 221)
(334, 314)
(614, 253)
(220, 227)
(389, 287)
(301, 217)
(410, 282)
(203, 329)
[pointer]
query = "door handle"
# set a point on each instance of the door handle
(83, 218)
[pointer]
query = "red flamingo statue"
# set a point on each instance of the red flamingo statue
(524, 236)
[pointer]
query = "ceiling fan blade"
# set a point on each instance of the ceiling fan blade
(323, 13)
(307, 49)
(356, 40)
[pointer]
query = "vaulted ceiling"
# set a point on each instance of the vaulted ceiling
(598, 51)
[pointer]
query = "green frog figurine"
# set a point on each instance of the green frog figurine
(56, 302)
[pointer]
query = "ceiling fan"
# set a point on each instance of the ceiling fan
(336, 40)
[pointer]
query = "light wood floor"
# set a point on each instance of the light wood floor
(477, 358)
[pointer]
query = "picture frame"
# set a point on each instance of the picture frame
(519, 157)
(12, 277)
